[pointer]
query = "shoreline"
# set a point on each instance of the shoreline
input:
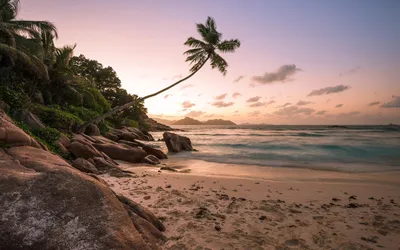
(284, 209)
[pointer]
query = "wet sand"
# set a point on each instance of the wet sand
(223, 206)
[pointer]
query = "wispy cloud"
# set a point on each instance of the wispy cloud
(350, 71)
(270, 102)
(187, 104)
(284, 105)
(254, 99)
(195, 113)
(236, 95)
(257, 104)
(294, 110)
(166, 96)
(186, 86)
(221, 104)
(209, 115)
(395, 103)
(238, 79)
(329, 90)
(302, 103)
(373, 103)
(220, 97)
(254, 113)
(339, 106)
(321, 112)
(282, 74)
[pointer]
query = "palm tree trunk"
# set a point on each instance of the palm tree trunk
(117, 109)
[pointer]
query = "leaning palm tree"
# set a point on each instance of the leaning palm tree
(20, 40)
(201, 51)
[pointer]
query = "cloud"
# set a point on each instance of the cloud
(186, 86)
(321, 112)
(339, 106)
(254, 113)
(236, 94)
(395, 103)
(350, 71)
(254, 99)
(187, 104)
(221, 104)
(209, 115)
(294, 110)
(195, 113)
(257, 104)
(220, 97)
(282, 74)
(302, 103)
(238, 79)
(166, 96)
(329, 90)
(284, 105)
(270, 102)
(236, 111)
(373, 103)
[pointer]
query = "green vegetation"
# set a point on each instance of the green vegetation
(63, 90)
(69, 92)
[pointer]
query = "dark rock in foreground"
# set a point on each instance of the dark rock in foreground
(177, 143)
(47, 204)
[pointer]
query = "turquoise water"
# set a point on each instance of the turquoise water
(350, 149)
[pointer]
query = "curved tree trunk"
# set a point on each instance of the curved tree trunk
(117, 109)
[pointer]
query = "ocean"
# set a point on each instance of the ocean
(345, 149)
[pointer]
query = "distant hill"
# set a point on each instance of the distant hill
(218, 122)
(163, 121)
(187, 121)
(191, 121)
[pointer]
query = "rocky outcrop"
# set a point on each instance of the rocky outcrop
(152, 151)
(118, 152)
(29, 119)
(84, 166)
(85, 151)
(129, 134)
(47, 204)
(92, 130)
(11, 135)
(151, 159)
(155, 126)
(177, 143)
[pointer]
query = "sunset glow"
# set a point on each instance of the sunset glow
(335, 63)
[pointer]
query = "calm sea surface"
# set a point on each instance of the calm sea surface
(351, 149)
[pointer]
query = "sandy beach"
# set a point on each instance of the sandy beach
(222, 206)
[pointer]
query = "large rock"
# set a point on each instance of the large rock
(177, 143)
(130, 134)
(84, 166)
(92, 130)
(31, 120)
(11, 135)
(118, 152)
(4, 106)
(152, 151)
(46, 204)
(151, 159)
(85, 151)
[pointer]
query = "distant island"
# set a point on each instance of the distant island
(191, 121)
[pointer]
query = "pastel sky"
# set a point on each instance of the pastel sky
(301, 62)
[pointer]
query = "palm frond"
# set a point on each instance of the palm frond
(198, 65)
(192, 51)
(203, 31)
(218, 62)
(29, 46)
(194, 43)
(36, 26)
(7, 37)
(210, 24)
(196, 57)
(63, 56)
(18, 59)
(8, 9)
(229, 45)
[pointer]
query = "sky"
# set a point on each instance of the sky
(300, 62)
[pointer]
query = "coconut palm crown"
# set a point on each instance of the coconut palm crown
(209, 45)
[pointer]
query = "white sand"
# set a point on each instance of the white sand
(220, 206)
